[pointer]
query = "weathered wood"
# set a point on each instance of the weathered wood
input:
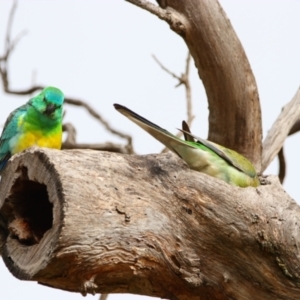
(146, 225)
(223, 67)
(286, 123)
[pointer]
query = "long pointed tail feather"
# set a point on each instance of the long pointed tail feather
(162, 135)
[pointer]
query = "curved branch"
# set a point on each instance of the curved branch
(235, 115)
(70, 143)
(146, 225)
(97, 116)
(285, 124)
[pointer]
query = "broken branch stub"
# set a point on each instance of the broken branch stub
(96, 222)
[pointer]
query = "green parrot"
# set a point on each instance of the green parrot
(36, 123)
(200, 155)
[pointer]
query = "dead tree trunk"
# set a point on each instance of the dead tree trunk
(96, 222)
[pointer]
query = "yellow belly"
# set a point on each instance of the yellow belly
(29, 139)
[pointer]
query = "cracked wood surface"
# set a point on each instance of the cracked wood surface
(146, 225)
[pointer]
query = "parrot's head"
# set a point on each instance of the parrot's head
(49, 103)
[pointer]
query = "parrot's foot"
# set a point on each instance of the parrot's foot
(89, 287)
(263, 180)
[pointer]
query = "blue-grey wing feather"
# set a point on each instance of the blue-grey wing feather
(10, 129)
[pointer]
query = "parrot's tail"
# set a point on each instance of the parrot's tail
(162, 135)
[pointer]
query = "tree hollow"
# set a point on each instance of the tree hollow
(98, 222)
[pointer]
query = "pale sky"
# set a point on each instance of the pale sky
(100, 51)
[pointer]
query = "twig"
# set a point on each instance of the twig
(14, 43)
(183, 79)
(70, 143)
(28, 91)
(9, 24)
(9, 47)
(180, 79)
(189, 108)
(101, 120)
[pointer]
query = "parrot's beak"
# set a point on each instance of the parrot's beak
(50, 109)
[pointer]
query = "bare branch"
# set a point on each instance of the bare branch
(189, 108)
(168, 71)
(295, 128)
(173, 18)
(282, 165)
(9, 24)
(14, 43)
(101, 120)
(28, 91)
(70, 143)
(183, 80)
(71, 133)
(154, 9)
(9, 47)
(286, 120)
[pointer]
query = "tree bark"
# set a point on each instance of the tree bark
(97, 222)
(223, 67)
(286, 124)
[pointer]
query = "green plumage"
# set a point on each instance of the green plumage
(37, 123)
(201, 155)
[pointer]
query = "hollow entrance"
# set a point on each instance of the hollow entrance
(27, 211)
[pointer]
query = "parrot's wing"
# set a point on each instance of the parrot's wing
(232, 157)
(10, 129)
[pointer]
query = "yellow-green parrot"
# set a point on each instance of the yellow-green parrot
(36, 123)
(200, 155)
